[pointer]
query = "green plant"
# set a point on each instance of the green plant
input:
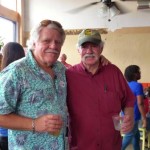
(1, 42)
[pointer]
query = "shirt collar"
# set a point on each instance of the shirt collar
(34, 65)
(85, 70)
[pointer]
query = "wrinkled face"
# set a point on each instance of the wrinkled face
(90, 53)
(47, 48)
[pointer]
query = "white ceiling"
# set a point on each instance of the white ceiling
(61, 10)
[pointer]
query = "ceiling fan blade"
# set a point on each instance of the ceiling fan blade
(81, 8)
(121, 5)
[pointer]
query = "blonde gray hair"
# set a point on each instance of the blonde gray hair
(35, 32)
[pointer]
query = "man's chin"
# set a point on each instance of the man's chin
(50, 63)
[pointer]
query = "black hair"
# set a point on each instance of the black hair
(130, 72)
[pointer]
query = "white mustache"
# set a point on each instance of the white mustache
(89, 55)
(51, 51)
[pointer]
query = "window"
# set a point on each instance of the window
(10, 4)
(8, 30)
(10, 20)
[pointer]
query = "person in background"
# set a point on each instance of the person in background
(33, 93)
(132, 74)
(95, 94)
(63, 59)
(147, 100)
(147, 110)
(11, 52)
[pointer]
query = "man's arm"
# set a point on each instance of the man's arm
(141, 109)
(128, 121)
(47, 123)
(104, 60)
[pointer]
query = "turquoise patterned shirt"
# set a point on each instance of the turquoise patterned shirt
(29, 91)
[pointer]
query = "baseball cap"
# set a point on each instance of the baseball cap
(89, 35)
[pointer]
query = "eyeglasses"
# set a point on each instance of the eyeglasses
(47, 22)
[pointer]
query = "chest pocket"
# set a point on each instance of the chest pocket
(110, 102)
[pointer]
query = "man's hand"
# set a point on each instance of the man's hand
(127, 125)
(104, 60)
(49, 123)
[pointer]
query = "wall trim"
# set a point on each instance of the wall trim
(77, 31)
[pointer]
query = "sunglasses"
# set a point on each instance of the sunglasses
(47, 22)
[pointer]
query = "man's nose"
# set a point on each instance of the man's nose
(52, 44)
(89, 49)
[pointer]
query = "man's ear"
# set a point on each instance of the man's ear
(101, 48)
(34, 45)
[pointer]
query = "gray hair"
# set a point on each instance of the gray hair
(101, 44)
(35, 32)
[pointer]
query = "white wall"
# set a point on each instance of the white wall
(88, 18)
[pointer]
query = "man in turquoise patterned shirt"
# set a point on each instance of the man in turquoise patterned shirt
(33, 93)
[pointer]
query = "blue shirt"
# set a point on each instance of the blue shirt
(3, 132)
(29, 91)
(137, 89)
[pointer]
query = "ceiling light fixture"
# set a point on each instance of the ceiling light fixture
(103, 11)
(108, 11)
(114, 11)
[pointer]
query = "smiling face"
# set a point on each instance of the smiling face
(90, 53)
(47, 48)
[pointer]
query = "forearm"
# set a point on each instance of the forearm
(142, 111)
(46, 123)
(128, 120)
(140, 103)
(16, 122)
(129, 111)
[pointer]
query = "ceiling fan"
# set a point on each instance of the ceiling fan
(107, 6)
(112, 8)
